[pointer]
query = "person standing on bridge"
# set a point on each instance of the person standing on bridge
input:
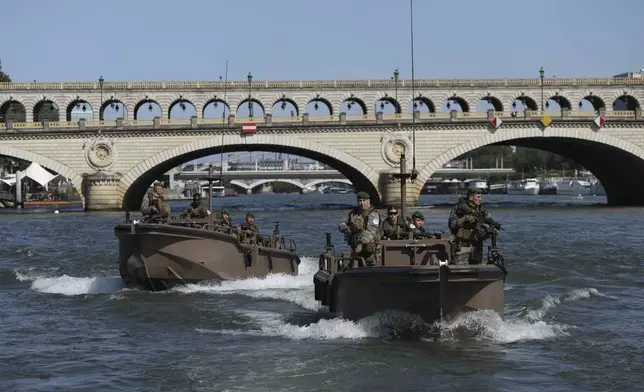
(471, 224)
(154, 208)
(361, 228)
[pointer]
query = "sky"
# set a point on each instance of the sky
(287, 39)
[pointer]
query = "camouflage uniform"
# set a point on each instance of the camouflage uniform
(362, 230)
(195, 210)
(418, 232)
(392, 229)
(464, 224)
(154, 208)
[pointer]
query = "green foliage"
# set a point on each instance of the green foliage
(524, 160)
(4, 78)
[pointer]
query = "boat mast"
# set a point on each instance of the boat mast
(404, 175)
(221, 157)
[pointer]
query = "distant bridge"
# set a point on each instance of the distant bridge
(306, 179)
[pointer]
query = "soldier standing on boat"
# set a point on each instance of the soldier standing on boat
(394, 225)
(471, 224)
(154, 208)
(417, 225)
(250, 225)
(225, 217)
(196, 209)
(361, 228)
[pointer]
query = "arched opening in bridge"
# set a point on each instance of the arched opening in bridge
(421, 104)
(248, 109)
(319, 107)
(112, 110)
(591, 103)
(523, 103)
(574, 166)
(147, 109)
(489, 103)
(216, 108)
(252, 167)
(38, 181)
(456, 104)
(182, 109)
(285, 107)
(626, 102)
(13, 110)
(80, 109)
(556, 104)
(387, 105)
(46, 110)
(353, 106)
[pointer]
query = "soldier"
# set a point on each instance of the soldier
(154, 208)
(225, 217)
(417, 225)
(196, 209)
(393, 226)
(361, 228)
(471, 224)
(250, 225)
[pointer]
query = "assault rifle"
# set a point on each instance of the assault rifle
(482, 218)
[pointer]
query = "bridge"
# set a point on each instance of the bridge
(113, 162)
(305, 179)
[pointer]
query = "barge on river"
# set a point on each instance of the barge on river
(419, 276)
(158, 256)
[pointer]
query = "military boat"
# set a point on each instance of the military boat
(424, 276)
(158, 256)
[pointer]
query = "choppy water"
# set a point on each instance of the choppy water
(573, 311)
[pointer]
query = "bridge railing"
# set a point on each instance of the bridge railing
(317, 84)
(353, 118)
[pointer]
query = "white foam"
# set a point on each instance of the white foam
(69, 285)
(297, 289)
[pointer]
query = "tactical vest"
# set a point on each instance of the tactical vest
(159, 203)
(360, 219)
(467, 232)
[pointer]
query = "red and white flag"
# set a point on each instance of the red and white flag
(249, 128)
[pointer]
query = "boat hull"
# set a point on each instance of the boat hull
(160, 256)
(522, 191)
(360, 292)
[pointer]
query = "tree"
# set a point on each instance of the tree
(4, 78)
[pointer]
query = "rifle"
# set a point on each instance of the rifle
(482, 218)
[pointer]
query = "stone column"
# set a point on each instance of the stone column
(101, 191)
(389, 189)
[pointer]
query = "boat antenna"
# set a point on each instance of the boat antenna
(413, 88)
(223, 122)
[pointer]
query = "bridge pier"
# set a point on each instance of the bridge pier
(101, 191)
(390, 194)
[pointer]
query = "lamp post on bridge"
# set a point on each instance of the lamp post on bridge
(100, 109)
(541, 72)
(396, 88)
(250, 100)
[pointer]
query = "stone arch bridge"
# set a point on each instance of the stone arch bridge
(114, 164)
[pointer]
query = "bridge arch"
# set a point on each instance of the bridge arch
(604, 155)
(322, 181)
(13, 110)
(263, 181)
(136, 182)
(74, 177)
(316, 104)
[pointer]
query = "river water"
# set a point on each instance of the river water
(573, 318)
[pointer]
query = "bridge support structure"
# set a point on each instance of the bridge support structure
(102, 192)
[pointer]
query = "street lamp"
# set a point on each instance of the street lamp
(250, 101)
(541, 72)
(396, 73)
(100, 110)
